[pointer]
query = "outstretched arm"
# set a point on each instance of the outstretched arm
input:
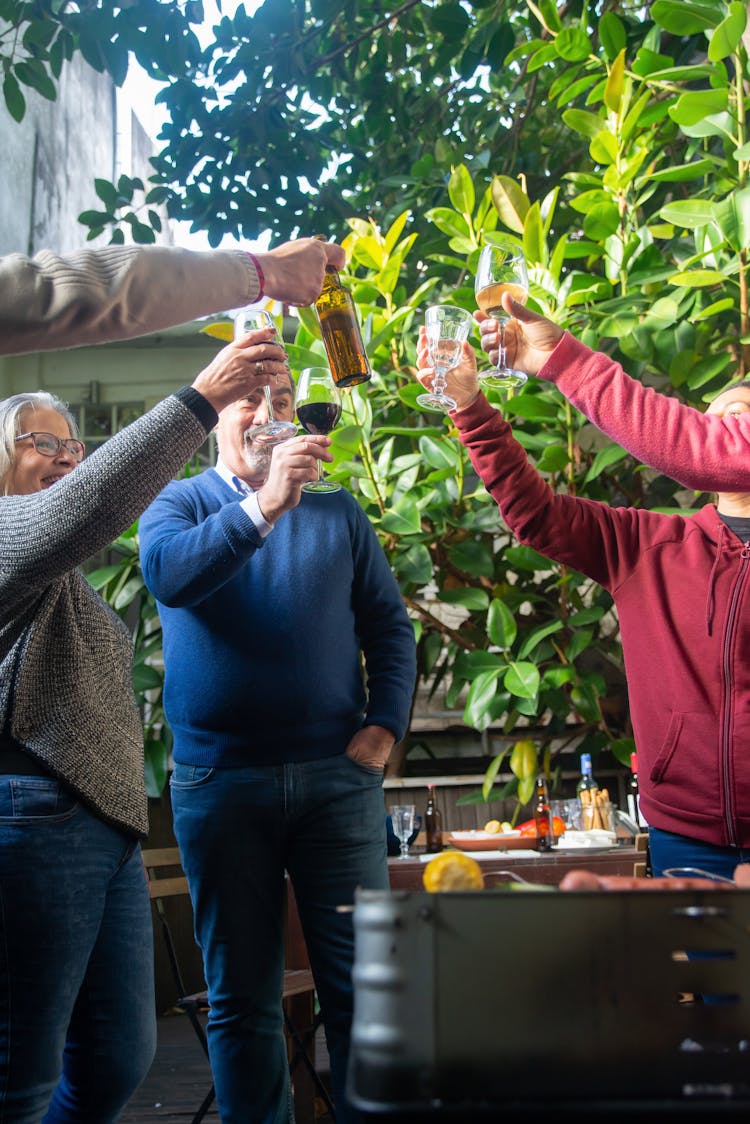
(118, 292)
(701, 451)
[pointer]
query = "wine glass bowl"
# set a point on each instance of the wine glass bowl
(318, 411)
(501, 269)
(447, 327)
(402, 819)
(275, 430)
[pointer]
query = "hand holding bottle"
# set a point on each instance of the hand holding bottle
(294, 272)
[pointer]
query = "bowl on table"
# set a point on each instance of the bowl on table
(491, 841)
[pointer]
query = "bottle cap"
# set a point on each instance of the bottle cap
(634, 762)
(585, 762)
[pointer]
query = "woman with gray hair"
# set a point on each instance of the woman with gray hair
(77, 1018)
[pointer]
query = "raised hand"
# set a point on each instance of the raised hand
(530, 338)
(461, 380)
(240, 368)
(293, 464)
(294, 272)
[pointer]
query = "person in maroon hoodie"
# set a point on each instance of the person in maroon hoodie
(707, 452)
(681, 586)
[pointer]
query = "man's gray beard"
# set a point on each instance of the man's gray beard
(257, 457)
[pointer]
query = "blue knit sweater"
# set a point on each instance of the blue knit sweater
(263, 638)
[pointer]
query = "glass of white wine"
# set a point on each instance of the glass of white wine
(274, 431)
(501, 269)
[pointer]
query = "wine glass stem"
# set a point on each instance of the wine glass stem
(269, 404)
(501, 349)
(438, 382)
(404, 849)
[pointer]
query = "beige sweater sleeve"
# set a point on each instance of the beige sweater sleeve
(49, 302)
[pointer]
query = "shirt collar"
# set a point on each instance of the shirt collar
(233, 481)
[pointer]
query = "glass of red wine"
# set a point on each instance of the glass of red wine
(318, 411)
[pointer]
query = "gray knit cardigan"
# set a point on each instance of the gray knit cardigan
(65, 656)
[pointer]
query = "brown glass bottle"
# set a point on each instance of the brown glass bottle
(342, 336)
(432, 823)
(545, 835)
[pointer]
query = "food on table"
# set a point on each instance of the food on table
(452, 870)
(528, 827)
(494, 827)
(596, 809)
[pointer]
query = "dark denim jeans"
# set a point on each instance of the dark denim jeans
(238, 830)
(667, 850)
(77, 1021)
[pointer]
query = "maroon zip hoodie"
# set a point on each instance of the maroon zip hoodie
(681, 586)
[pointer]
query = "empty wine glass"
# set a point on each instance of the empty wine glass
(447, 328)
(501, 269)
(318, 411)
(402, 819)
(274, 431)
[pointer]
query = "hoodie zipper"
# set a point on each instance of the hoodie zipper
(732, 615)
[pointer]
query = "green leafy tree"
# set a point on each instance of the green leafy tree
(610, 141)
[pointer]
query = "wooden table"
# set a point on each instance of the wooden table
(547, 868)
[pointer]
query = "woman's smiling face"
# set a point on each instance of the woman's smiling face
(33, 471)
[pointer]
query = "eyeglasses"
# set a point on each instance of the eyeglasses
(49, 445)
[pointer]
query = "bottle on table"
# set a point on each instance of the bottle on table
(586, 782)
(545, 832)
(597, 813)
(432, 823)
(634, 800)
(342, 336)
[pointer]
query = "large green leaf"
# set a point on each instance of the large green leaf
(461, 190)
(501, 625)
(403, 519)
(511, 202)
(694, 107)
(473, 556)
(522, 679)
(683, 17)
(728, 35)
(481, 693)
(467, 596)
(688, 212)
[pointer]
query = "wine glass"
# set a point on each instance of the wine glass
(274, 431)
(318, 411)
(447, 328)
(501, 269)
(402, 819)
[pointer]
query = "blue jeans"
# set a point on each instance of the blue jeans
(77, 1012)
(667, 850)
(238, 830)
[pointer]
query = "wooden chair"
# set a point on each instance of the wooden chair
(640, 866)
(166, 879)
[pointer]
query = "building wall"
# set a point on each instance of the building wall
(50, 159)
(49, 163)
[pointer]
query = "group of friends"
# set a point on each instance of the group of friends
(290, 667)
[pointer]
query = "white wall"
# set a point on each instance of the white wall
(47, 169)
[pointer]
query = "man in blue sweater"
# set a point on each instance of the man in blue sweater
(269, 597)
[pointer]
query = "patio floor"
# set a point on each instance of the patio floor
(180, 1078)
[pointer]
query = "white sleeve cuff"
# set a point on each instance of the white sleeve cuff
(252, 507)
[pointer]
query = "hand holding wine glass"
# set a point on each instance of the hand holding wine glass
(447, 328)
(274, 431)
(501, 269)
(318, 411)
